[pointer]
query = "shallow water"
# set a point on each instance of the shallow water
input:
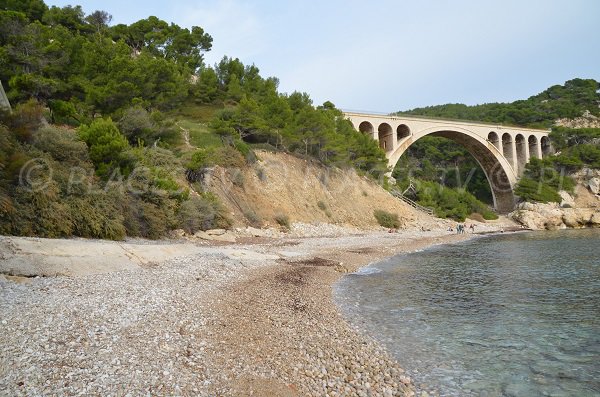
(506, 315)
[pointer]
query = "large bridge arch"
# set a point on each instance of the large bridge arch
(501, 151)
(498, 171)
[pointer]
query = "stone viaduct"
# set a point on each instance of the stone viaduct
(501, 151)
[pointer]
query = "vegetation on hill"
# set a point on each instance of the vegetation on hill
(539, 111)
(447, 164)
(113, 125)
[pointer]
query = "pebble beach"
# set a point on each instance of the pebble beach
(249, 318)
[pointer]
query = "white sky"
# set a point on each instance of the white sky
(385, 55)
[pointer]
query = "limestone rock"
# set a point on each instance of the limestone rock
(216, 232)
(567, 201)
(225, 236)
(539, 216)
(594, 185)
(254, 232)
(586, 120)
(529, 219)
(178, 233)
(595, 219)
(576, 217)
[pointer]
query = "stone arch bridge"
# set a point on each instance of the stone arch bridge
(501, 151)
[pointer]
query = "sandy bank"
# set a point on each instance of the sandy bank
(190, 319)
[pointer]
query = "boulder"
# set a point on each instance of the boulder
(595, 219)
(225, 237)
(178, 233)
(529, 219)
(594, 185)
(254, 232)
(576, 218)
(567, 201)
(216, 232)
(539, 216)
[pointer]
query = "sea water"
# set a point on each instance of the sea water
(505, 315)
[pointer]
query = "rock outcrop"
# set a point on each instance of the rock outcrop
(551, 216)
(586, 120)
(582, 209)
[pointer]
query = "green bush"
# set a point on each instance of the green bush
(62, 144)
(387, 219)
(260, 173)
(321, 205)
(106, 145)
(144, 128)
(237, 177)
(283, 220)
(96, 217)
(531, 190)
(225, 156)
(253, 218)
(454, 203)
(195, 214)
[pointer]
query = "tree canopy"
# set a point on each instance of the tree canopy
(569, 100)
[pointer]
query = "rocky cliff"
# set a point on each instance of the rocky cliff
(586, 120)
(582, 209)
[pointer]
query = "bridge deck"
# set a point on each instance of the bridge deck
(441, 119)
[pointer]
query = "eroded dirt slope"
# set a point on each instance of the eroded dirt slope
(282, 185)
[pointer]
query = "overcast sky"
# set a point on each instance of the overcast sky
(386, 55)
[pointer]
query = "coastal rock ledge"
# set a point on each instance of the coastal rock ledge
(551, 216)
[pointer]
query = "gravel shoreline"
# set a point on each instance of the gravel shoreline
(253, 319)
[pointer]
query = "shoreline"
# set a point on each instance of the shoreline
(244, 319)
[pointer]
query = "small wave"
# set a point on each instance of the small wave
(366, 271)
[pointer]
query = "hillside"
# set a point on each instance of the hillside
(111, 124)
(281, 186)
(569, 100)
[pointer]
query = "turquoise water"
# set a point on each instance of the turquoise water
(506, 315)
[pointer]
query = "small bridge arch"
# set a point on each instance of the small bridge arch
(502, 152)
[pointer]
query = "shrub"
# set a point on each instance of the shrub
(105, 144)
(253, 218)
(260, 173)
(455, 203)
(96, 217)
(321, 205)
(202, 213)
(25, 120)
(283, 220)
(237, 178)
(476, 216)
(144, 128)
(62, 144)
(136, 124)
(225, 156)
(387, 219)
(531, 190)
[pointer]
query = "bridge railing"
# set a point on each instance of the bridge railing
(415, 205)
